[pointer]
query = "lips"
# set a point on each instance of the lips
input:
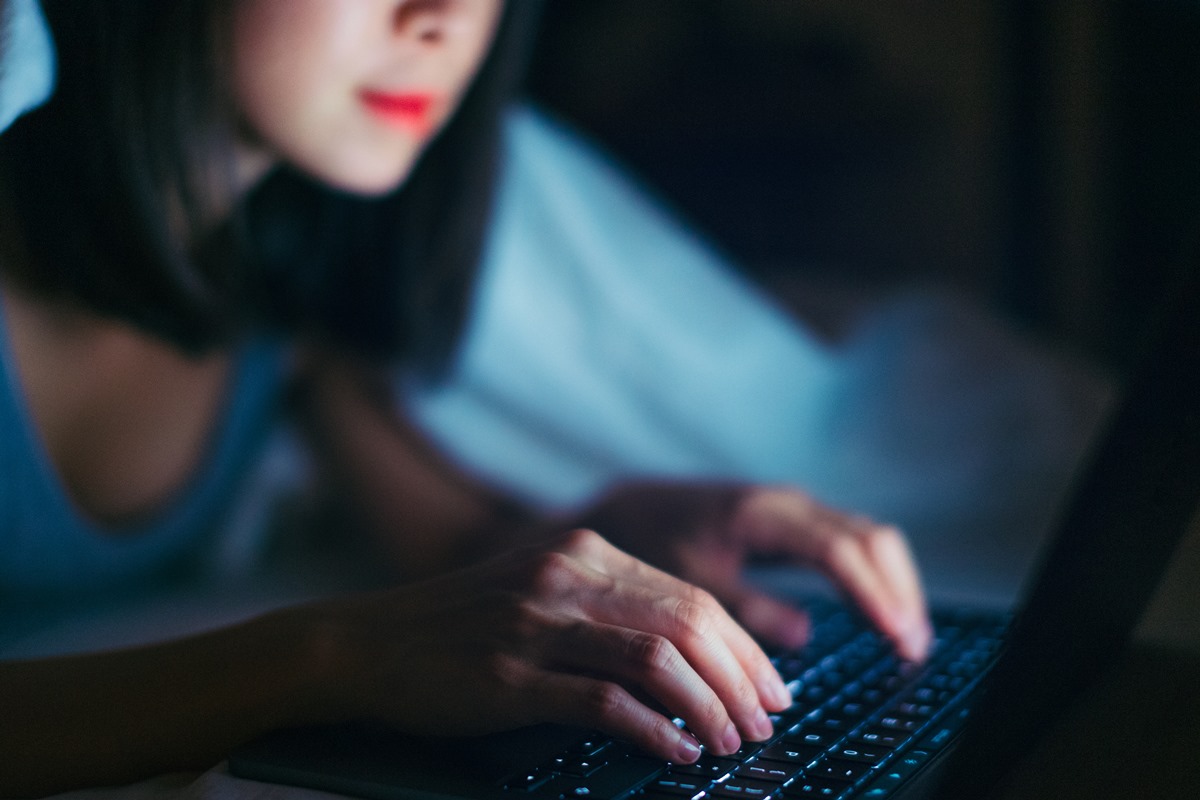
(408, 110)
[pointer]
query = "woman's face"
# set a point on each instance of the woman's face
(351, 91)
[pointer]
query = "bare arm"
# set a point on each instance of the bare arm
(434, 517)
(418, 506)
(114, 717)
(574, 632)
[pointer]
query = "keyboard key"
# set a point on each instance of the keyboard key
(839, 770)
(748, 788)
(576, 765)
(747, 749)
(809, 786)
(528, 780)
(811, 738)
(790, 668)
(833, 680)
(899, 723)
(926, 694)
(769, 771)
(799, 754)
(789, 716)
(917, 710)
(937, 681)
(814, 695)
(939, 738)
(883, 785)
(852, 690)
(590, 746)
(910, 762)
(835, 724)
(946, 682)
(882, 737)
(712, 767)
(897, 772)
(866, 755)
(678, 786)
(852, 710)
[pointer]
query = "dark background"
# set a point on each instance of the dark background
(1041, 154)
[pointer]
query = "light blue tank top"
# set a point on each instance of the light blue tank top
(47, 546)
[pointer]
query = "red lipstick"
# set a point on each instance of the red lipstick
(408, 110)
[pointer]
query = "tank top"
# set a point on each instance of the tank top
(48, 546)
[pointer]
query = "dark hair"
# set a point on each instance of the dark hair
(110, 186)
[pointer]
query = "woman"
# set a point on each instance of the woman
(211, 175)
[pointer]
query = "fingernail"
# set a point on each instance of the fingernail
(730, 740)
(688, 750)
(783, 696)
(778, 694)
(762, 727)
(916, 641)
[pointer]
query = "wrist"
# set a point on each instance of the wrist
(309, 657)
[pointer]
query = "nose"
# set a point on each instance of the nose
(425, 21)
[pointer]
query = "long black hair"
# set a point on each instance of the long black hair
(108, 195)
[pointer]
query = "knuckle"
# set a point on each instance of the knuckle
(525, 620)
(709, 713)
(745, 696)
(799, 501)
(705, 600)
(839, 550)
(605, 700)
(581, 541)
(691, 620)
(553, 573)
(652, 653)
(504, 671)
(883, 538)
(889, 533)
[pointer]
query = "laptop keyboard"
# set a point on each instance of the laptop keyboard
(863, 722)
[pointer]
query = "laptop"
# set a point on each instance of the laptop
(864, 724)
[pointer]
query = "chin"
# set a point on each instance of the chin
(364, 179)
(368, 185)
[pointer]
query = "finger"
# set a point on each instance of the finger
(652, 665)
(749, 657)
(870, 562)
(692, 626)
(889, 551)
(852, 560)
(595, 703)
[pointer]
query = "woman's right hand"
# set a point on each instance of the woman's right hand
(574, 632)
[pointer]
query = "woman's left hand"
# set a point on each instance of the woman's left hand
(423, 508)
(707, 533)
